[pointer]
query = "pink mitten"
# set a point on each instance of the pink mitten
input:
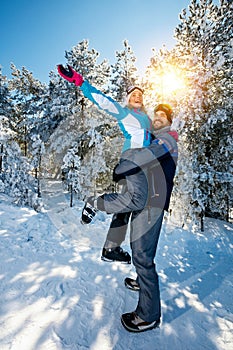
(70, 75)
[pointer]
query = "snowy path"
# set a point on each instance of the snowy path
(57, 294)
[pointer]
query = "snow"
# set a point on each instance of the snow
(57, 294)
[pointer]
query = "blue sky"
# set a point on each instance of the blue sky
(36, 33)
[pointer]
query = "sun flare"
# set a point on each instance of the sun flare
(172, 82)
(168, 81)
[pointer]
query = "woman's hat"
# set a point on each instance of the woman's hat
(132, 88)
(129, 91)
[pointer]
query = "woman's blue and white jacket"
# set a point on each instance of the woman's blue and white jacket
(134, 124)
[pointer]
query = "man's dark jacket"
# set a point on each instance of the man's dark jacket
(148, 173)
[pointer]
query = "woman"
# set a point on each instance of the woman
(135, 126)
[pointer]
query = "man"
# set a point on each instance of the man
(149, 174)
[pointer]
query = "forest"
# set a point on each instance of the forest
(52, 131)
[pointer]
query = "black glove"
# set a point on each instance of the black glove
(117, 177)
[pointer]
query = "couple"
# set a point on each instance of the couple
(146, 169)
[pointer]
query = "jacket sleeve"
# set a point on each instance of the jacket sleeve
(106, 103)
(133, 160)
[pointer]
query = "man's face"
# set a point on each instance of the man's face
(160, 120)
(136, 99)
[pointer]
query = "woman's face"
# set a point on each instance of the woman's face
(136, 99)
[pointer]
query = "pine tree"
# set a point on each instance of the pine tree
(85, 62)
(15, 178)
(37, 151)
(203, 47)
(7, 110)
(27, 97)
(15, 169)
(123, 72)
(71, 171)
(6, 104)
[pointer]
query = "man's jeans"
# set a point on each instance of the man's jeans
(144, 236)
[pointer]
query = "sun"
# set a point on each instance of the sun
(168, 81)
(172, 82)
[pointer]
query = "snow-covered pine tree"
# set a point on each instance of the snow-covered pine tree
(27, 97)
(220, 201)
(71, 169)
(80, 177)
(204, 43)
(54, 109)
(36, 152)
(16, 179)
(94, 148)
(6, 105)
(15, 169)
(123, 73)
(6, 113)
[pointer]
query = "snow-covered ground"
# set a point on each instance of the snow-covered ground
(57, 294)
